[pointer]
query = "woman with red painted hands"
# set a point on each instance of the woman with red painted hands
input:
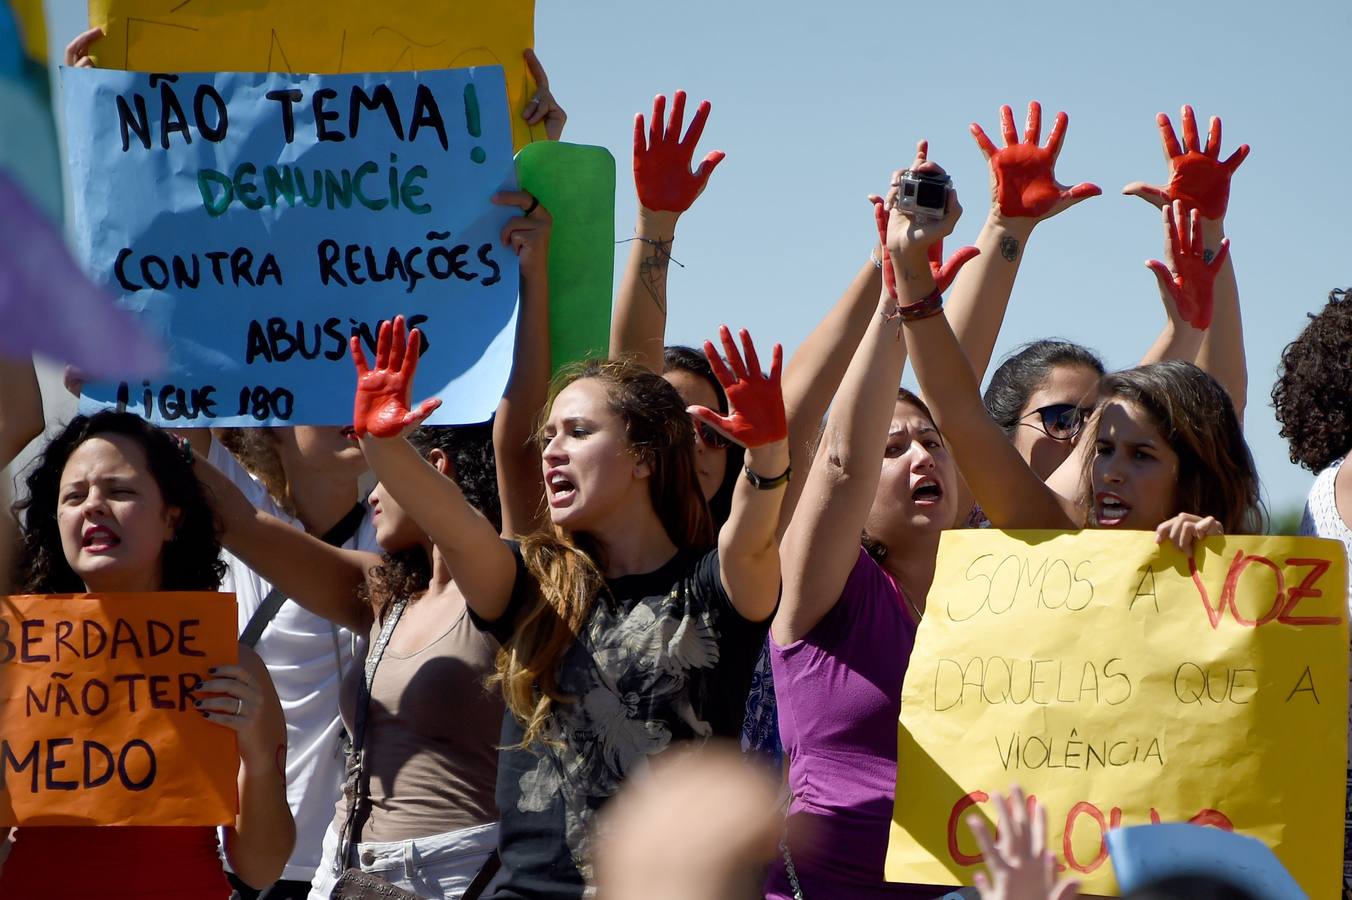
(626, 624)
(1165, 451)
(419, 812)
(113, 506)
(846, 624)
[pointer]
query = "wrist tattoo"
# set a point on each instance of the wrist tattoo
(1208, 255)
(1009, 248)
(652, 271)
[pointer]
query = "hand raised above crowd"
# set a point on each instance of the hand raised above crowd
(1023, 174)
(1197, 176)
(755, 403)
(662, 159)
(382, 405)
(1189, 278)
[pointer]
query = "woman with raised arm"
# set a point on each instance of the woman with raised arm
(1165, 449)
(846, 622)
(426, 788)
(426, 791)
(625, 628)
(113, 506)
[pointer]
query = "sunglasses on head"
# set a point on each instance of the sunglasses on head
(709, 437)
(1059, 421)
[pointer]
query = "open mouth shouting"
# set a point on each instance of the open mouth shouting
(1109, 509)
(927, 492)
(98, 539)
(561, 488)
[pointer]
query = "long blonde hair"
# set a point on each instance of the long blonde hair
(568, 567)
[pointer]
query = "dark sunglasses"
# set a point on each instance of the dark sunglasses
(711, 439)
(1060, 421)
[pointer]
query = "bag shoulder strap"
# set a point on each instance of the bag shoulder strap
(336, 536)
(357, 780)
(484, 876)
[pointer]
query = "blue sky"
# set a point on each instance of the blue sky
(815, 104)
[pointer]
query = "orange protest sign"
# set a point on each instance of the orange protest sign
(97, 723)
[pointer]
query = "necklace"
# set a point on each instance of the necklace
(911, 605)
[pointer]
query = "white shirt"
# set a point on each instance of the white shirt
(1322, 519)
(306, 656)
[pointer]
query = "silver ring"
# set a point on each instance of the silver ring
(239, 706)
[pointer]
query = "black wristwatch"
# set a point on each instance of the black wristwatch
(761, 483)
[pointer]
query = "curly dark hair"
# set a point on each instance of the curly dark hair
(406, 573)
(688, 359)
(1313, 393)
(191, 561)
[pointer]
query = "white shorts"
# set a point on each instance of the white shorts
(438, 867)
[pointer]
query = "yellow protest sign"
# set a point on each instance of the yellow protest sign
(336, 37)
(1122, 683)
(97, 723)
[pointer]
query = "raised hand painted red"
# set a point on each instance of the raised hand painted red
(1025, 173)
(1197, 175)
(1191, 282)
(755, 403)
(662, 159)
(383, 393)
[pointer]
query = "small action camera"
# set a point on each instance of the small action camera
(926, 196)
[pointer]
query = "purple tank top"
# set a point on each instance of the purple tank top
(839, 693)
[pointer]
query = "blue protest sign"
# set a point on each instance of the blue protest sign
(256, 221)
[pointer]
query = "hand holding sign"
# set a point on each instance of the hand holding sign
(1185, 529)
(543, 107)
(1197, 176)
(528, 233)
(233, 698)
(662, 161)
(1190, 283)
(384, 393)
(77, 51)
(755, 403)
(1023, 177)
